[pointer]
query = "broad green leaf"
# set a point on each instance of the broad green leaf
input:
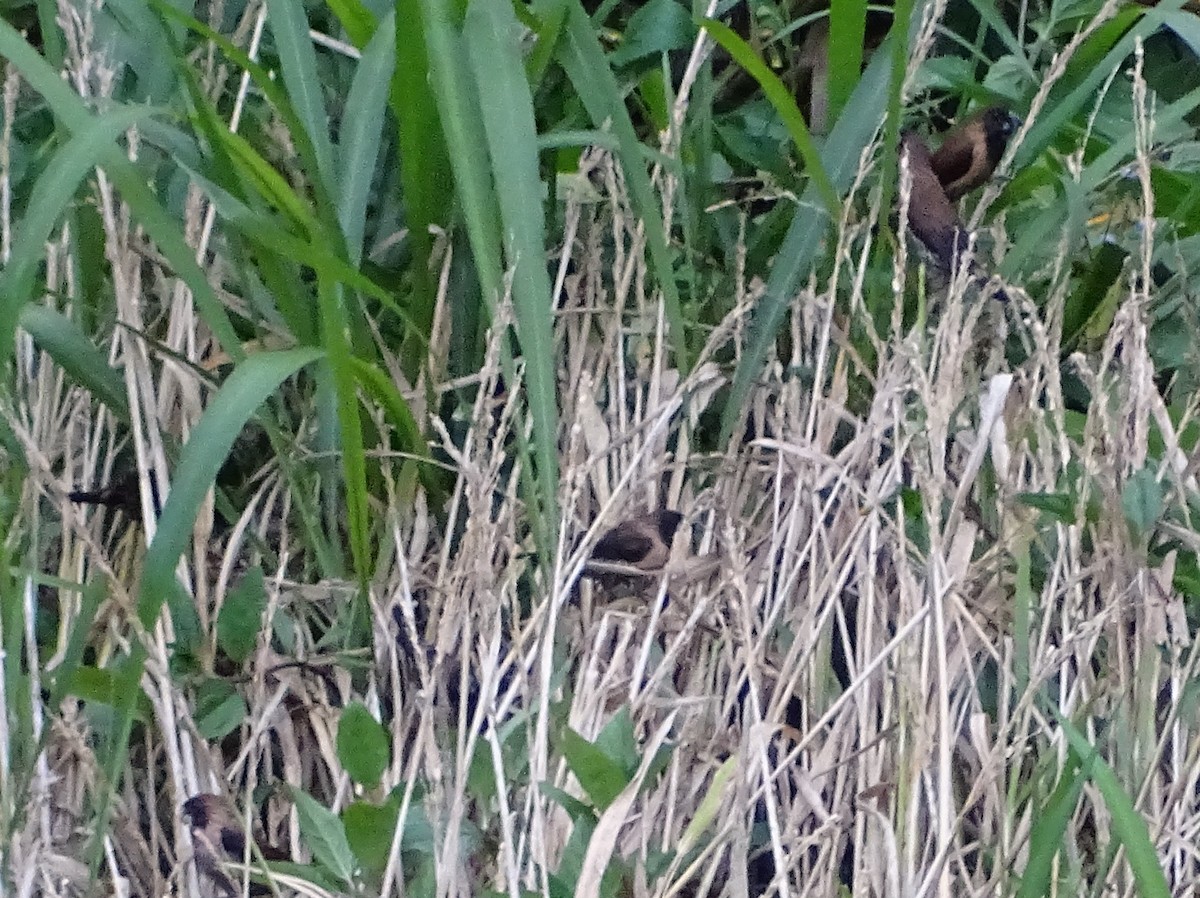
(428, 103)
(240, 617)
(363, 745)
(601, 777)
(324, 834)
(220, 709)
(656, 27)
(370, 830)
(1142, 500)
(356, 18)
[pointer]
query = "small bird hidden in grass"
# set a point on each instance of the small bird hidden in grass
(932, 218)
(966, 159)
(121, 493)
(636, 549)
(218, 838)
(970, 152)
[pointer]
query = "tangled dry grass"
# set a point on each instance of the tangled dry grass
(872, 523)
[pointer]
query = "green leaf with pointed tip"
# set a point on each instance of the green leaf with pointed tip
(370, 830)
(601, 777)
(324, 833)
(656, 27)
(220, 709)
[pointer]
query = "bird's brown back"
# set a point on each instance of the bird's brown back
(931, 215)
(970, 152)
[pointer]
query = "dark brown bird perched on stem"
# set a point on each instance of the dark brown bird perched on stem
(966, 159)
(971, 151)
(635, 549)
(218, 837)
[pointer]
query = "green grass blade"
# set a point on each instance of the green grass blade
(461, 123)
(335, 336)
(252, 381)
(379, 385)
(52, 194)
(62, 339)
(492, 36)
(847, 30)
(425, 165)
(359, 134)
(811, 224)
(1127, 824)
(409, 437)
(268, 84)
(1049, 827)
(299, 63)
(168, 235)
(161, 227)
(785, 105)
(582, 57)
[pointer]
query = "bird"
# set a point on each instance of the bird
(633, 551)
(931, 216)
(218, 837)
(121, 493)
(970, 152)
(642, 542)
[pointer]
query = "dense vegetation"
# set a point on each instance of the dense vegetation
(367, 321)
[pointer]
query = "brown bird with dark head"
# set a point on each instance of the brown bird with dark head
(635, 549)
(966, 159)
(218, 837)
(971, 151)
(931, 215)
(643, 542)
